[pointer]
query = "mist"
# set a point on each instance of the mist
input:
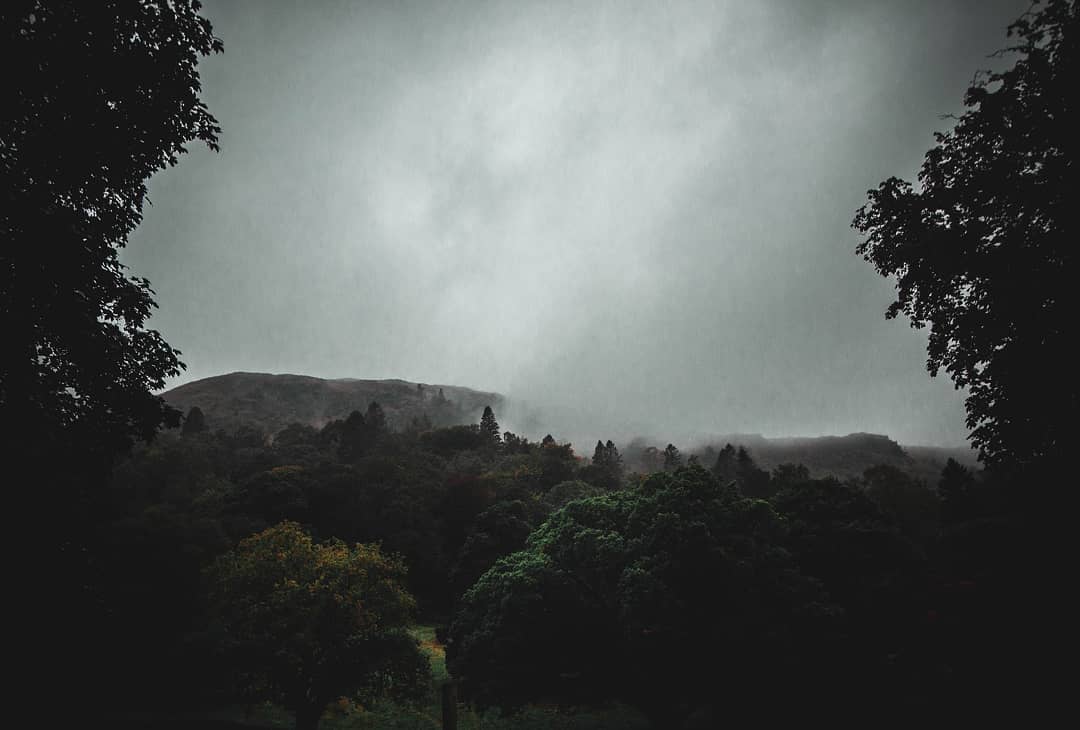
(630, 217)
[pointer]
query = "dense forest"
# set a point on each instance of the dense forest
(420, 566)
(616, 585)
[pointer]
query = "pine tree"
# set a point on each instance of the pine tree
(753, 481)
(726, 467)
(489, 428)
(613, 466)
(599, 457)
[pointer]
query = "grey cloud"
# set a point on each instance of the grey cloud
(632, 214)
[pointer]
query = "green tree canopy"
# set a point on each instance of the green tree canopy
(984, 248)
(304, 623)
(666, 596)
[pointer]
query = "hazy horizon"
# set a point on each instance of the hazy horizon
(626, 214)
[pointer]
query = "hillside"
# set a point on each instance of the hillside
(844, 456)
(269, 403)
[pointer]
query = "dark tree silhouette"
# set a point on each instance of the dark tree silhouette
(788, 475)
(753, 481)
(672, 458)
(654, 596)
(514, 444)
(194, 422)
(956, 489)
(984, 248)
(489, 428)
(499, 530)
(606, 469)
(726, 466)
(375, 418)
(351, 435)
(97, 97)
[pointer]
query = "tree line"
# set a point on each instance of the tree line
(204, 566)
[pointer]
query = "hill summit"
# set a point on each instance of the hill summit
(269, 402)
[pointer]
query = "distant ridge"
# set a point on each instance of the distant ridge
(270, 402)
(848, 456)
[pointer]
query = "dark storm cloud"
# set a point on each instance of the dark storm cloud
(632, 214)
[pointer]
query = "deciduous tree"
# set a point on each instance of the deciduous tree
(668, 596)
(304, 623)
(983, 248)
(97, 98)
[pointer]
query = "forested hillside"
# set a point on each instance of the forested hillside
(452, 503)
(269, 403)
(632, 216)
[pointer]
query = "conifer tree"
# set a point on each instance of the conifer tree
(352, 436)
(489, 428)
(726, 467)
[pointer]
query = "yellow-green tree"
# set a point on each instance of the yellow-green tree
(303, 623)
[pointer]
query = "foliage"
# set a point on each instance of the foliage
(789, 475)
(557, 463)
(489, 429)
(97, 98)
(752, 481)
(909, 503)
(656, 596)
(448, 441)
(565, 492)
(983, 250)
(358, 434)
(672, 458)
(606, 469)
(726, 466)
(304, 623)
(497, 531)
(957, 491)
(194, 422)
(878, 576)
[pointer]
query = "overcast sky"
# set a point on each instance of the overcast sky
(635, 215)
